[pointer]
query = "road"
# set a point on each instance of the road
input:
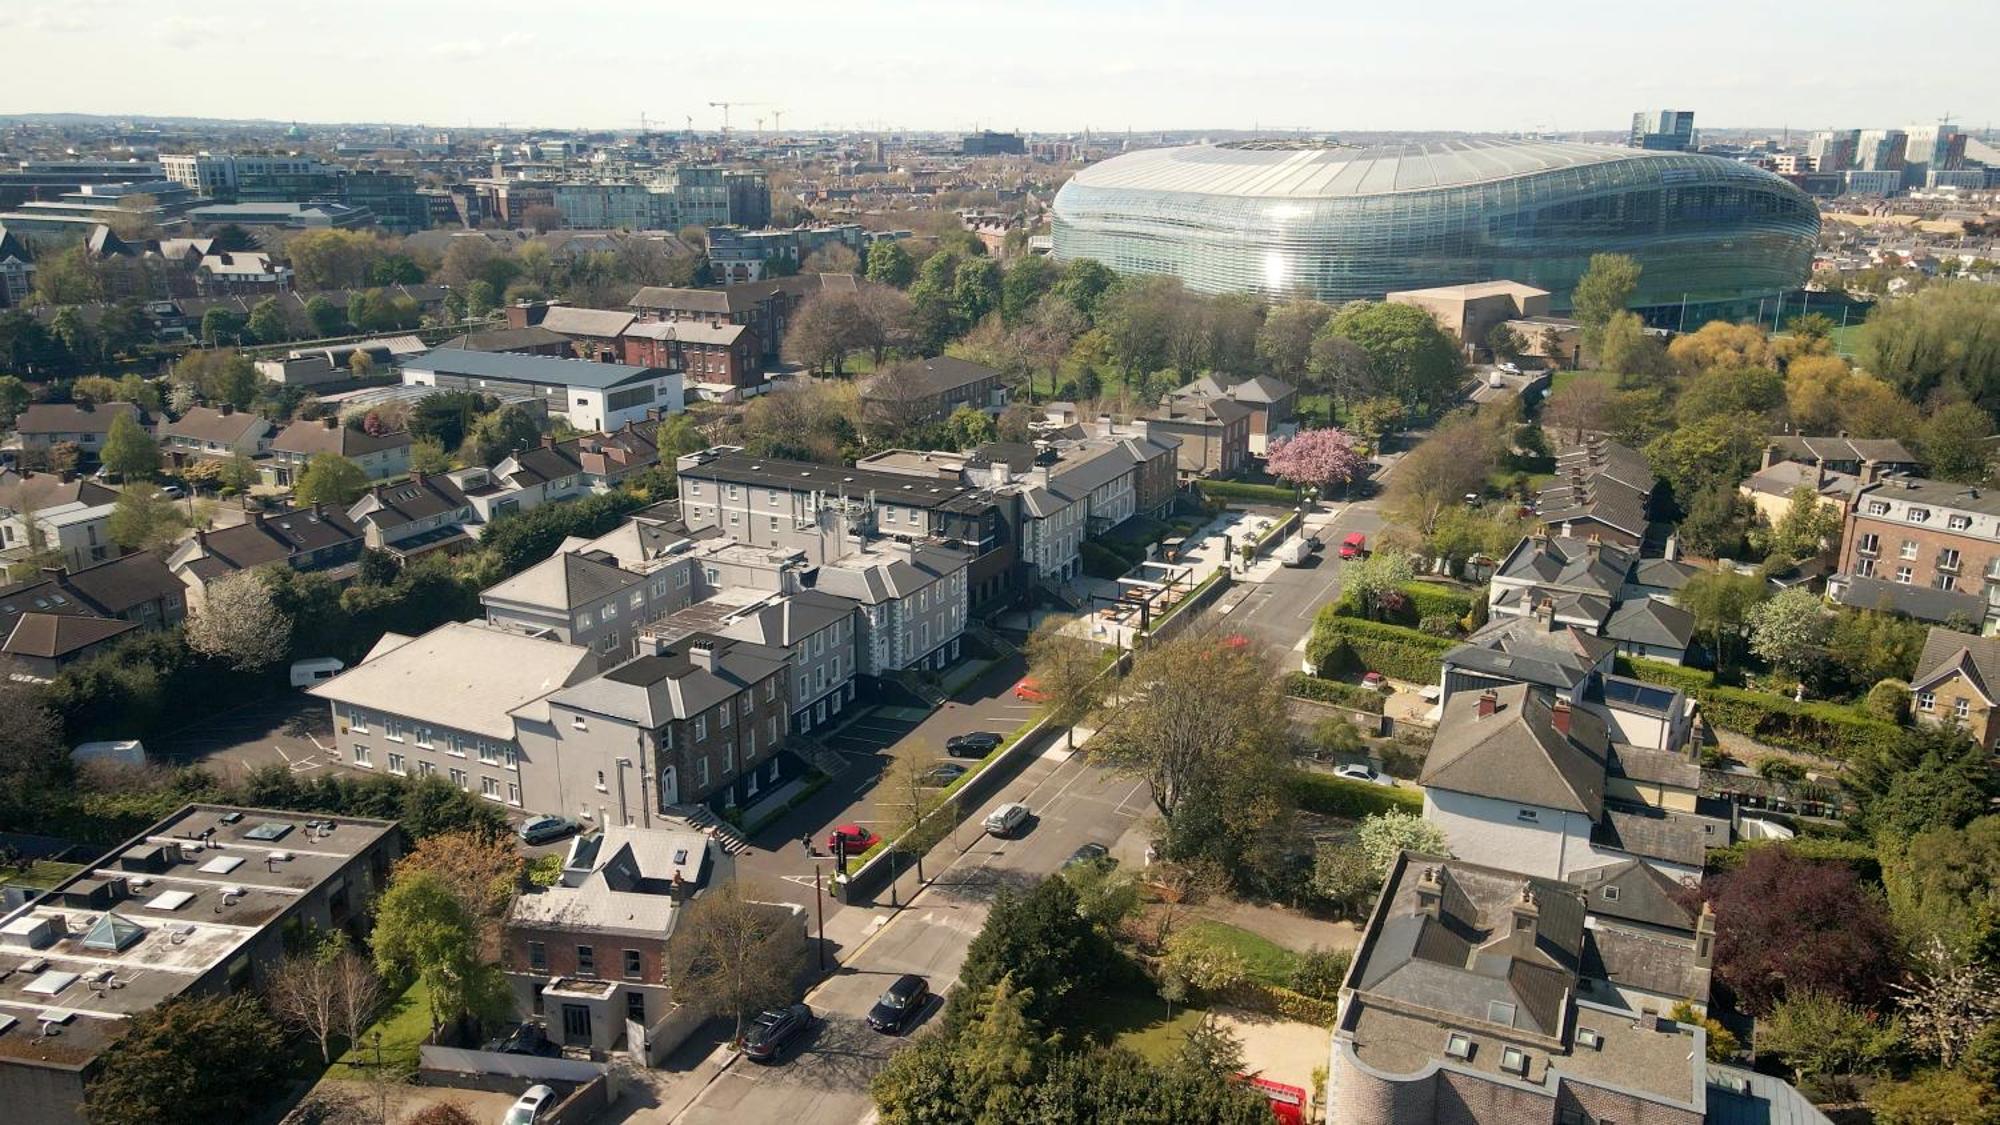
(826, 1079)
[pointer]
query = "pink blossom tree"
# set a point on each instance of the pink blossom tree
(1322, 459)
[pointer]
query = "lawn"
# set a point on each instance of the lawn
(41, 873)
(404, 1024)
(1570, 375)
(1134, 1016)
(1269, 962)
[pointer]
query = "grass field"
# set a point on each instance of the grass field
(41, 873)
(404, 1024)
(1269, 962)
(1136, 1017)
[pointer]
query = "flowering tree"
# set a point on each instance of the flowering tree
(1321, 459)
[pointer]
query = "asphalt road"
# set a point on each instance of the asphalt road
(824, 1079)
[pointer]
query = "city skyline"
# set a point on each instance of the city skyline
(1110, 65)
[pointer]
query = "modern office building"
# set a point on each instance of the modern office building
(989, 143)
(1340, 222)
(1664, 130)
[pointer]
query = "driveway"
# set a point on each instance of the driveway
(292, 729)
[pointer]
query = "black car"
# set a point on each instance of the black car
(942, 774)
(771, 1031)
(900, 1004)
(975, 745)
(1090, 853)
(525, 1039)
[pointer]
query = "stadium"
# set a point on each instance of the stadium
(1341, 222)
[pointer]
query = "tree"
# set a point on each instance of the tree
(240, 622)
(1946, 336)
(1285, 340)
(480, 300)
(1437, 474)
(1820, 1036)
(220, 325)
(542, 218)
(495, 436)
(975, 290)
(1117, 1085)
(1318, 459)
(1787, 925)
(334, 259)
(267, 322)
(1624, 346)
(1202, 962)
(1933, 777)
(1722, 1043)
(14, 398)
(825, 330)
(1211, 1048)
(1105, 895)
(129, 451)
(1716, 452)
(1720, 345)
(1955, 442)
(969, 428)
(1414, 359)
(1721, 601)
(77, 338)
(733, 955)
(218, 375)
(1757, 392)
(1039, 941)
(1023, 283)
(1947, 1001)
(428, 456)
(1083, 284)
(1605, 289)
(483, 871)
(68, 278)
(330, 479)
(1943, 883)
(1935, 1097)
(326, 993)
(441, 1113)
(1791, 630)
(423, 931)
(997, 1052)
(1373, 582)
(191, 1059)
(1069, 673)
(1376, 418)
(326, 318)
(144, 519)
(1808, 526)
(1385, 835)
(889, 263)
(1581, 406)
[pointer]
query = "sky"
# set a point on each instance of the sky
(1035, 65)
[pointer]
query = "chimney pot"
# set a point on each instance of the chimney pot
(1559, 715)
(228, 408)
(1489, 702)
(1430, 892)
(331, 421)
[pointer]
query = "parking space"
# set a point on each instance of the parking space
(293, 730)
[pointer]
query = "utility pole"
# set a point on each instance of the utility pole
(819, 900)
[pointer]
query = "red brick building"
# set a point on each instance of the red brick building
(717, 361)
(1930, 548)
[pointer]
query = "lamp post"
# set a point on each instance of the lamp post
(819, 900)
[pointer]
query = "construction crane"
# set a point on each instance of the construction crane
(725, 107)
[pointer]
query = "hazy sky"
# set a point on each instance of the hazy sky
(1044, 65)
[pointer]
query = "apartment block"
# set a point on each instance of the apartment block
(1928, 548)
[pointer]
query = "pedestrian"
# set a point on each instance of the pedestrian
(807, 841)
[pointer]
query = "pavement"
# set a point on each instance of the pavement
(825, 1079)
(293, 729)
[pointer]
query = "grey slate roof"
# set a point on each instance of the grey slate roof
(52, 636)
(541, 370)
(877, 577)
(1568, 564)
(203, 423)
(785, 621)
(1649, 621)
(1920, 602)
(1524, 650)
(1652, 834)
(506, 339)
(1798, 447)
(1935, 494)
(570, 321)
(307, 438)
(651, 690)
(1516, 754)
(64, 418)
(118, 585)
(1648, 962)
(1636, 891)
(1947, 651)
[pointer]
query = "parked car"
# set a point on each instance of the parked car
(900, 1003)
(978, 744)
(541, 829)
(1354, 546)
(531, 1107)
(1007, 819)
(525, 1039)
(1362, 773)
(1293, 552)
(1374, 681)
(1029, 692)
(773, 1030)
(858, 839)
(1511, 368)
(1091, 853)
(942, 774)
(173, 492)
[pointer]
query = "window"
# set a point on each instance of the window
(749, 702)
(426, 769)
(772, 728)
(1527, 814)
(637, 600)
(1926, 701)
(770, 689)
(455, 746)
(459, 778)
(1610, 894)
(1864, 567)
(700, 728)
(633, 966)
(584, 620)
(586, 961)
(577, 722)
(362, 755)
(513, 794)
(722, 716)
(488, 754)
(694, 488)
(538, 956)
(1944, 582)
(731, 492)
(1961, 707)
(1904, 574)
(1917, 515)
(1514, 1060)
(1458, 1045)
(600, 781)
(728, 757)
(1909, 550)
(609, 612)
(1947, 558)
(1958, 523)
(423, 735)
(701, 771)
(1869, 544)
(1878, 507)
(396, 764)
(489, 787)
(357, 722)
(635, 1006)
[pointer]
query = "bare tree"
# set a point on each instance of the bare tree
(303, 996)
(732, 955)
(1580, 406)
(1948, 1001)
(241, 623)
(1453, 461)
(357, 993)
(1179, 888)
(1068, 671)
(898, 400)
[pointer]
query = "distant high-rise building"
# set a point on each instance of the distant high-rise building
(1832, 150)
(1663, 130)
(1880, 150)
(1939, 147)
(987, 143)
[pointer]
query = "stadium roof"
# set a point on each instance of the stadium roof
(1321, 173)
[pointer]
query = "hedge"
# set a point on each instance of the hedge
(1333, 691)
(1420, 600)
(1243, 490)
(1282, 1002)
(1854, 853)
(1827, 730)
(1101, 562)
(1337, 796)
(1349, 644)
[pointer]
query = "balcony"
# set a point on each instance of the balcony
(1868, 551)
(1947, 563)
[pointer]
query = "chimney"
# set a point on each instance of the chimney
(228, 408)
(1672, 551)
(1704, 936)
(67, 476)
(331, 421)
(1527, 912)
(1489, 702)
(1546, 610)
(548, 441)
(417, 477)
(1593, 547)
(702, 653)
(1770, 457)
(1038, 477)
(1430, 892)
(1559, 716)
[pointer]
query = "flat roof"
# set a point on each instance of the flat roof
(541, 370)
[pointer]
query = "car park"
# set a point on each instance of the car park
(978, 744)
(531, 1107)
(858, 839)
(772, 1031)
(941, 775)
(1007, 819)
(901, 1002)
(546, 827)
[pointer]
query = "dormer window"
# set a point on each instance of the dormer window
(1917, 515)
(1610, 894)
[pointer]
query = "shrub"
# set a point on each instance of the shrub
(1856, 854)
(1824, 729)
(1282, 1002)
(1774, 768)
(1416, 602)
(1349, 644)
(1336, 796)
(1320, 972)
(1333, 691)
(1889, 700)
(1220, 490)
(1101, 562)
(1439, 625)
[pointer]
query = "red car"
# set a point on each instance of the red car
(1354, 546)
(858, 839)
(1027, 692)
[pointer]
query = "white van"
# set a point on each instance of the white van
(1294, 551)
(1004, 820)
(124, 752)
(315, 670)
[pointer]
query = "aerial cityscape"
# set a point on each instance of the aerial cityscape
(954, 576)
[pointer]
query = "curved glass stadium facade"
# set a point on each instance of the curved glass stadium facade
(1340, 223)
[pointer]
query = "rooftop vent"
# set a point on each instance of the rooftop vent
(168, 900)
(1514, 1061)
(222, 864)
(1585, 1037)
(1458, 1045)
(1734, 1083)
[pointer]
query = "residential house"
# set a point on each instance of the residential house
(929, 390)
(530, 340)
(721, 362)
(17, 270)
(1273, 405)
(45, 425)
(817, 628)
(584, 596)
(1771, 488)
(1602, 489)
(211, 433)
(38, 645)
(1214, 434)
(798, 505)
(1516, 771)
(1926, 548)
(442, 704)
(1482, 996)
(1609, 591)
(554, 471)
(414, 517)
(1958, 684)
(701, 720)
(764, 307)
(58, 618)
(252, 272)
(139, 588)
(913, 603)
(207, 902)
(55, 516)
(379, 456)
(1870, 459)
(592, 333)
(591, 396)
(318, 539)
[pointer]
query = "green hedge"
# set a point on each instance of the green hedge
(1854, 853)
(1337, 796)
(1349, 644)
(1241, 490)
(1333, 691)
(1282, 1002)
(1420, 600)
(1100, 562)
(1828, 730)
